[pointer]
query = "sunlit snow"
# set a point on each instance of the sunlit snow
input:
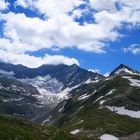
(123, 111)
(133, 82)
(108, 137)
(126, 71)
(75, 131)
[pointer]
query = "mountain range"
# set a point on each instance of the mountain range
(71, 102)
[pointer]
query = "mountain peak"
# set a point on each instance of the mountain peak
(124, 70)
(122, 65)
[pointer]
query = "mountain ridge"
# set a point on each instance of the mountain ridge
(52, 82)
(106, 107)
(95, 106)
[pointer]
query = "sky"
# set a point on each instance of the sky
(97, 35)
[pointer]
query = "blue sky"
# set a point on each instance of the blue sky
(97, 35)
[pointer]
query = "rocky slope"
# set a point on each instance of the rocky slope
(32, 93)
(109, 108)
(96, 108)
(53, 81)
(20, 99)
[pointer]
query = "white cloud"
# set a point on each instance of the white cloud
(32, 61)
(23, 3)
(3, 5)
(107, 74)
(98, 71)
(51, 8)
(99, 5)
(133, 48)
(94, 70)
(59, 30)
(62, 32)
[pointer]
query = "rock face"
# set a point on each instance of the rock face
(52, 81)
(31, 93)
(17, 98)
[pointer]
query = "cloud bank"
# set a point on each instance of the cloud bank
(59, 29)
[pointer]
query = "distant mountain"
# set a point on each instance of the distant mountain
(68, 75)
(52, 81)
(32, 93)
(124, 70)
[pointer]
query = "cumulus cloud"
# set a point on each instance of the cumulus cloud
(98, 71)
(94, 70)
(107, 74)
(3, 5)
(32, 61)
(51, 8)
(99, 5)
(58, 29)
(133, 48)
(23, 3)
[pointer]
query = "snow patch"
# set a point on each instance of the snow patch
(80, 122)
(7, 72)
(101, 102)
(51, 89)
(62, 108)
(47, 120)
(92, 81)
(64, 94)
(98, 99)
(126, 71)
(48, 87)
(108, 78)
(123, 111)
(81, 107)
(75, 131)
(45, 84)
(12, 100)
(110, 92)
(84, 96)
(133, 82)
(108, 137)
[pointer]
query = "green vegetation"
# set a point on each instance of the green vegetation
(12, 128)
(88, 115)
(16, 129)
(94, 119)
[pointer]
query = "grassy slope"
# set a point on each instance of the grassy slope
(12, 128)
(97, 119)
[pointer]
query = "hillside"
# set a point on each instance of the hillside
(12, 128)
(110, 106)
(107, 108)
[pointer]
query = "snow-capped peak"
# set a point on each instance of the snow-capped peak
(124, 70)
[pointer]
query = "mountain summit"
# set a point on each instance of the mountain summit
(124, 70)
